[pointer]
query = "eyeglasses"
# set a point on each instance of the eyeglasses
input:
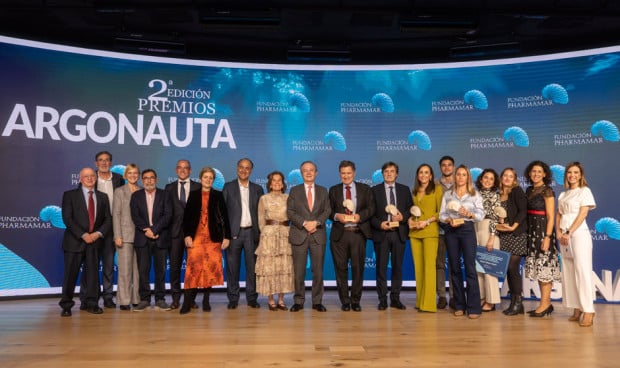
(149, 178)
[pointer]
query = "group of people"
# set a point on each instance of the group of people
(276, 233)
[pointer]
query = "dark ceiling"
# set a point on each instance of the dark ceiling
(319, 31)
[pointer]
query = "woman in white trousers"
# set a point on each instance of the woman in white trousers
(576, 245)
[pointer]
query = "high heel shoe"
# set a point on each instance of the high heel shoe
(576, 316)
(547, 311)
(282, 306)
(587, 322)
(273, 307)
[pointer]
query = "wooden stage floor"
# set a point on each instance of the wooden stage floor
(32, 334)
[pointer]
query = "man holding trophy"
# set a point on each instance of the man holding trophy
(352, 205)
(389, 233)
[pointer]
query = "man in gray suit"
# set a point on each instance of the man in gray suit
(241, 197)
(308, 209)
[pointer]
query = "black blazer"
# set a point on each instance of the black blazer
(516, 210)
(162, 215)
(75, 217)
(404, 202)
(219, 227)
(176, 226)
(365, 209)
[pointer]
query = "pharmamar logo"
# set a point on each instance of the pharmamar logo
(332, 141)
(380, 102)
(416, 140)
(513, 136)
(600, 132)
(473, 99)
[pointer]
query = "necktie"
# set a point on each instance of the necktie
(309, 195)
(392, 200)
(348, 195)
(149, 206)
(183, 196)
(91, 212)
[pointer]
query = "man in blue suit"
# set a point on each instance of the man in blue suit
(151, 212)
(241, 197)
(390, 233)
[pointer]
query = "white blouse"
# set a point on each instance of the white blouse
(569, 203)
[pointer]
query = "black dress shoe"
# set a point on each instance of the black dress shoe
(206, 307)
(319, 307)
(297, 307)
(83, 306)
(442, 303)
(382, 306)
(125, 307)
(232, 305)
(345, 307)
(398, 305)
(109, 303)
(356, 307)
(94, 310)
(65, 313)
(254, 304)
(175, 304)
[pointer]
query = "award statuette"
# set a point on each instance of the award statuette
(392, 211)
(416, 212)
(350, 206)
(454, 206)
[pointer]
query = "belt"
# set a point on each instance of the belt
(274, 222)
(354, 229)
(245, 227)
(535, 212)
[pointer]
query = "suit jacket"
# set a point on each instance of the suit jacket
(75, 217)
(298, 211)
(219, 227)
(232, 197)
(117, 181)
(177, 213)
(162, 215)
(122, 224)
(365, 208)
(404, 202)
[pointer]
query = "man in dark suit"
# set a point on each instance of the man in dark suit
(106, 182)
(88, 220)
(353, 205)
(151, 212)
(241, 197)
(178, 190)
(390, 233)
(308, 208)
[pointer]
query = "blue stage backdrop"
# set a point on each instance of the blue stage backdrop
(60, 105)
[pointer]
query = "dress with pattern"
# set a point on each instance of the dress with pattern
(204, 259)
(539, 265)
(274, 255)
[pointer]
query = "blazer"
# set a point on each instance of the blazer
(117, 180)
(232, 197)
(365, 208)
(122, 224)
(75, 217)
(516, 210)
(404, 202)
(298, 212)
(162, 215)
(219, 227)
(176, 226)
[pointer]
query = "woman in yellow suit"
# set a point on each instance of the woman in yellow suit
(424, 236)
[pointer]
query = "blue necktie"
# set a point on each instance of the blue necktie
(392, 198)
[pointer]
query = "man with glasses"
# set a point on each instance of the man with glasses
(151, 212)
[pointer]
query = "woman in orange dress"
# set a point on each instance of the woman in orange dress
(207, 232)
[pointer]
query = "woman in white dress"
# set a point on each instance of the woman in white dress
(576, 244)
